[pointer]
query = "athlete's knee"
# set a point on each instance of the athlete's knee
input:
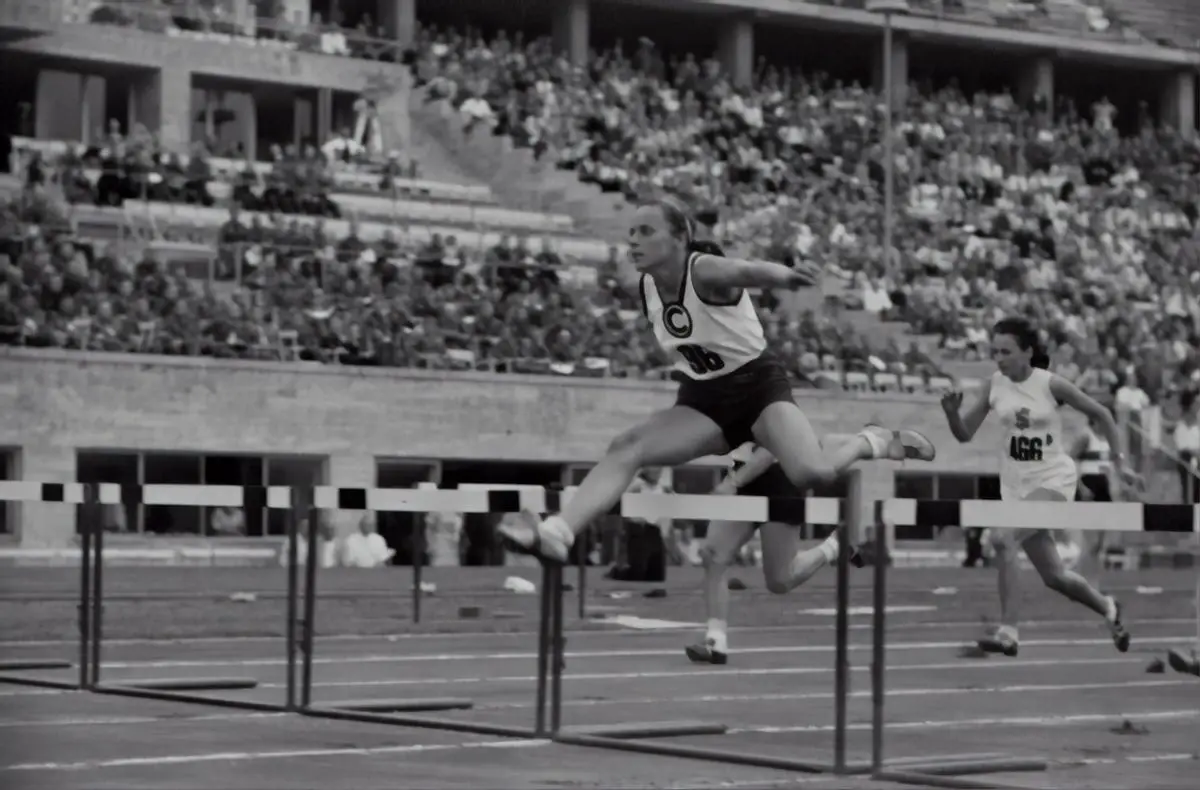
(714, 558)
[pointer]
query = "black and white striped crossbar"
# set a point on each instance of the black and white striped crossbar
(407, 500)
(917, 518)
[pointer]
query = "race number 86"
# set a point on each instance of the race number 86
(700, 359)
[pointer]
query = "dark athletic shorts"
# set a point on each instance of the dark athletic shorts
(772, 483)
(1098, 485)
(734, 402)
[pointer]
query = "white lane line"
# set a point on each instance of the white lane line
(727, 672)
(1041, 688)
(998, 721)
(291, 754)
(115, 721)
(598, 634)
(578, 654)
(282, 754)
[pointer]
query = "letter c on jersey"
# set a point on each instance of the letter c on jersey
(678, 321)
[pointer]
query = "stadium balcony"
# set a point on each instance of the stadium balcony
(464, 212)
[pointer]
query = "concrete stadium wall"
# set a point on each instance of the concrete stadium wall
(53, 403)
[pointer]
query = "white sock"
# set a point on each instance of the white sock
(1009, 630)
(1111, 614)
(829, 547)
(716, 632)
(558, 527)
(879, 444)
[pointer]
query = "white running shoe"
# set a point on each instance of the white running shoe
(550, 540)
(902, 445)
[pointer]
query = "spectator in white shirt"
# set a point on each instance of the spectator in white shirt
(328, 546)
(366, 548)
(1187, 444)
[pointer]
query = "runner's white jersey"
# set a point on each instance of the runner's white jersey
(707, 340)
(1034, 445)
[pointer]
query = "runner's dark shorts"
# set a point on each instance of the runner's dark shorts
(1099, 486)
(772, 483)
(734, 402)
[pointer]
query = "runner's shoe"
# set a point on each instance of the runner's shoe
(1120, 635)
(706, 653)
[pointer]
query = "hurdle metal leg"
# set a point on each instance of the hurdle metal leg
(628, 738)
(395, 712)
(163, 689)
(934, 773)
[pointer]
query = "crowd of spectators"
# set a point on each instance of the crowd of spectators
(1003, 208)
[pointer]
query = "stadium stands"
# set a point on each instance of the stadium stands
(1003, 209)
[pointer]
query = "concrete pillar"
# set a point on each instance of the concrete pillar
(1035, 83)
(57, 105)
(736, 50)
(94, 106)
(571, 29)
(899, 69)
(250, 126)
(1178, 106)
(399, 19)
(302, 120)
(162, 102)
(324, 115)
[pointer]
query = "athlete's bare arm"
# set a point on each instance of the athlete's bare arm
(1067, 393)
(963, 427)
(712, 273)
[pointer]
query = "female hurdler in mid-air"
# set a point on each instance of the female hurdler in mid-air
(733, 389)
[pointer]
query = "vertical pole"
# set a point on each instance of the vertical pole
(418, 555)
(309, 624)
(557, 660)
(880, 603)
(85, 587)
(841, 679)
(293, 592)
(584, 549)
(889, 154)
(543, 655)
(878, 645)
(97, 630)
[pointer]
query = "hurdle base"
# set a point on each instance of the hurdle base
(933, 780)
(705, 755)
(195, 699)
(649, 729)
(44, 683)
(424, 722)
(28, 666)
(402, 705)
(190, 684)
(967, 767)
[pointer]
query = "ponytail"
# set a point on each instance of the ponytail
(1040, 358)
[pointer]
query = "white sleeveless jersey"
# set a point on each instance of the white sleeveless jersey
(706, 340)
(1034, 445)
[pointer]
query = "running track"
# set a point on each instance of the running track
(1060, 699)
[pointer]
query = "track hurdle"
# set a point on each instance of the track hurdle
(15, 672)
(644, 737)
(917, 519)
